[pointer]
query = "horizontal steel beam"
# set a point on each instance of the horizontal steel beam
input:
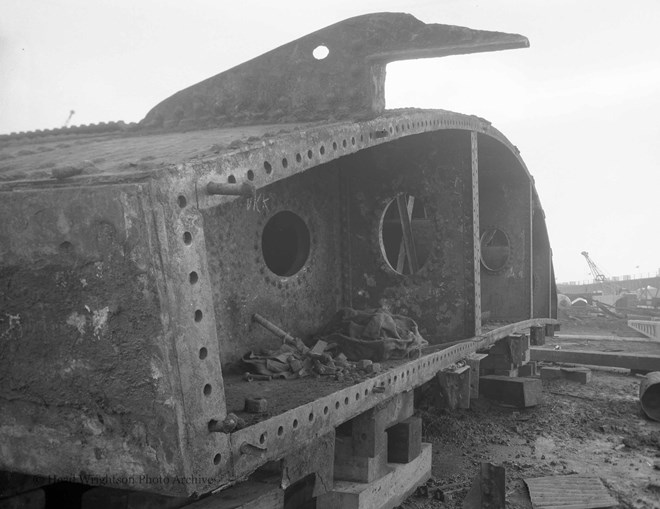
(638, 361)
(283, 432)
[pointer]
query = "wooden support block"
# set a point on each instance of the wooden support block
(34, 499)
(537, 336)
(315, 457)
(508, 353)
(364, 469)
(497, 361)
(387, 492)
(551, 373)
(474, 361)
(250, 494)
(455, 387)
(369, 427)
(518, 392)
(112, 498)
(581, 375)
(404, 441)
(488, 490)
(502, 372)
(528, 369)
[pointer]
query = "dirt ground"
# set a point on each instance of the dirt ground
(596, 429)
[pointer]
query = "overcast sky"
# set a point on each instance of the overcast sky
(582, 103)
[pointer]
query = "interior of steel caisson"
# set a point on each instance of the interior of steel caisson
(198, 265)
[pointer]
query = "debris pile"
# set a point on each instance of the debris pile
(351, 345)
(288, 362)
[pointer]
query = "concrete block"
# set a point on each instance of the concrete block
(455, 387)
(474, 361)
(387, 492)
(518, 392)
(528, 369)
(404, 441)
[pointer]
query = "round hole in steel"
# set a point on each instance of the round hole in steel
(334, 145)
(344, 143)
(203, 352)
(193, 277)
(285, 163)
(325, 410)
(322, 150)
(366, 392)
(357, 396)
(181, 200)
(187, 238)
(207, 390)
(217, 458)
(320, 52)
(298, 158)
(250, 175)
(295, 423)
(337, 404)
(353, 140)
(406, 234)
(495, 249)
(346, 401)
(231, 179)
(198, 315)
(310, 417)
(285, 243)
(262, 438)
(269, 168)
(280, 431)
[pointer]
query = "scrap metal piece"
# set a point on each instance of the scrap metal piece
(336, 72)
(564, 491)
(251, 377)
(649, 395)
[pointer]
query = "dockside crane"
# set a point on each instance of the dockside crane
(595, 270)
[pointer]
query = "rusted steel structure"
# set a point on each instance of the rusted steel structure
(133, 258)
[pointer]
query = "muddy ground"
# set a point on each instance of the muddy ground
(596, 429)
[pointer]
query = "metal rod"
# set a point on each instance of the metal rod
(406, 231)
(228, 189)
(283, 335)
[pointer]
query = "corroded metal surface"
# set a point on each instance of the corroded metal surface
(132, 259)
(290, 83)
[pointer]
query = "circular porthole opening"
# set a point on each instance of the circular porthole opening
(495, 249)
(285, 243)
(406, 234)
